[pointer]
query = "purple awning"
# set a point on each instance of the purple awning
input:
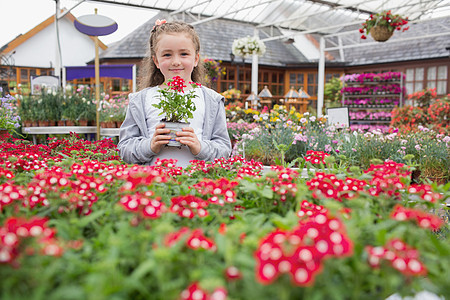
(117, 71)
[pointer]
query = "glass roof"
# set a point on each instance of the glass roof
(315, 16)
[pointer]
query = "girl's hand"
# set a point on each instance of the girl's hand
(160, 138)
(189, 138)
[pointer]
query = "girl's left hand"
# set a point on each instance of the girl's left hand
(189, 138)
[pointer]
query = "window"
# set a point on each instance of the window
(329, 76)
(312, 84)
(420, 78)
(273, 79)
(437, 78)
(414, 80)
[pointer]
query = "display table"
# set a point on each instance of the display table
(46, 130)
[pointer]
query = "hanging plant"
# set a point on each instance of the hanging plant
(381, 26)
(248, 46)
(213, 69)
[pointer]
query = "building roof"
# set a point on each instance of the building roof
(402, 46)
(322, 16)
(21, 38)
(216, 39)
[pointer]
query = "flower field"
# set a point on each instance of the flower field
(77, 223)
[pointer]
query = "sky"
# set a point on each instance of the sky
(20, 16)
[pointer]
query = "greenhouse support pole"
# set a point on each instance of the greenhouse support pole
(321, 79)
(134, 79)
(97, 85)
(255, 74)
(58, 58)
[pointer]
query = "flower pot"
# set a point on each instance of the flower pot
(380, 33)
(82, 122)
(62, 123)
(174, 128)
(43, 123)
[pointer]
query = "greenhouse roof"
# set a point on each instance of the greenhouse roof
(312, 16)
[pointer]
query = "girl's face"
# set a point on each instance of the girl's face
(175, 56)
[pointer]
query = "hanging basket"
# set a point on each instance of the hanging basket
(380, 33)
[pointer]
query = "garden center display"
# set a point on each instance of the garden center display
(351, 221)
(371, 97)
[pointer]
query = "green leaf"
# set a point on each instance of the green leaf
(90, 218)
(144, 268)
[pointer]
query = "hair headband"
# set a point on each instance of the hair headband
(158, 23)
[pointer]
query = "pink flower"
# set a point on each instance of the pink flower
(159, 22)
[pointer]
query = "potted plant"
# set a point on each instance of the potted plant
(332, 93)
(248, 46)
(213, 70)
(177, 106)
(381, 26)
(9, 119)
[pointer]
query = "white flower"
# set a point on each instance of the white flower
(248, 46)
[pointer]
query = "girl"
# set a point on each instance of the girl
(174, 50)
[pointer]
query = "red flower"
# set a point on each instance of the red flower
(223, 228)
(15, 230)
(194, 292)
(329, 186)
(173, 238)
(177, 84)
(425, 192)
(198, 240)
(232, 273)
(423, 219)
(316, 157)
(221, 190)
(144, 203)
(187, 206)
(400, 255)
(300, 251)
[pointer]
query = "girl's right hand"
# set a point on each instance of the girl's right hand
(160, 138)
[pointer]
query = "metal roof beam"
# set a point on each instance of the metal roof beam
(349, 7)
(188, 8)
(235, 11)
(337, 7)
(390, 41)
(311, 31)
(128, 4)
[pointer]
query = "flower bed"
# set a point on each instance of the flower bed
(78, 222)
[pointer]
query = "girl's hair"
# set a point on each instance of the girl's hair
(149, 74)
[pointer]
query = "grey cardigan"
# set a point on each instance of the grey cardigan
(134, 140)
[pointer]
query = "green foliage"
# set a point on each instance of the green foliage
(332, 92)
(118, 253)
(59, 105)
(9, 118)
(176, 104)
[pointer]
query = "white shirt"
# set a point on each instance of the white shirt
(183, 154)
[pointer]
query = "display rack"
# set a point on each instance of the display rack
(371, 97)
